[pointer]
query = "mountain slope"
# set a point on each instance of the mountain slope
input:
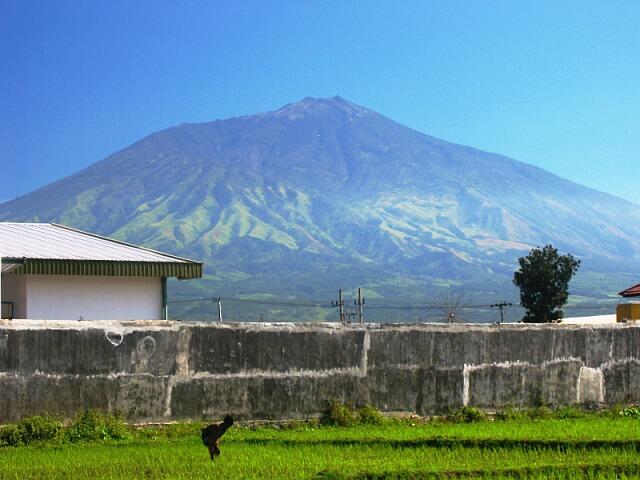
(324, 186)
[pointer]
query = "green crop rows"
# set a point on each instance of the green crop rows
(590, 446)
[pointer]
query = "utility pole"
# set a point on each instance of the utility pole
(219, 300)
(340, 304)
(360, 302)
(501, 306)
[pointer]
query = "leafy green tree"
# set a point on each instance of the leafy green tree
(543, 280)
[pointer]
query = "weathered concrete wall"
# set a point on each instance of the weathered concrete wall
(156, 371)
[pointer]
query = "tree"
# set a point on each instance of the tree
(543, 280)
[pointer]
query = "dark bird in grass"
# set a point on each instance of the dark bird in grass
(211, 435)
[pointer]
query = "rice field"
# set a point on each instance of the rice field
(590, 447)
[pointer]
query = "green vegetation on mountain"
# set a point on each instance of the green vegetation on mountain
(323, 194)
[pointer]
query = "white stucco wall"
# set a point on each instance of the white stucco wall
(57, 297)
(591, 320)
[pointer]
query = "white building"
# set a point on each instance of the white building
(55, 272)
(590, 320)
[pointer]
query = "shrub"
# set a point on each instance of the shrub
(93, 425)
(31, 429)
(611, 411)
(539, 413)
(510, 413)
(340, 414)
(343, 415)
(370, 415)
(10, 435)
(631, 411)
(466, 415)
(39, 428)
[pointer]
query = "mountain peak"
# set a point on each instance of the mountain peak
(311, 106)
(292, 201)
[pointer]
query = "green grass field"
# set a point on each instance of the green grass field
(589, 447)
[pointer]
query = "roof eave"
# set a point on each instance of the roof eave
(111, 268)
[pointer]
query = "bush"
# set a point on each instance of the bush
(31, 429)
(370, 415)
(539, 413)
(93, 425)
(40, 428)
(10, 435)
(510, 413)
(467, 415)
(611, 411)
(631, 411)
(340, 414)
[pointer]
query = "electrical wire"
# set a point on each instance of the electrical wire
(427, 306)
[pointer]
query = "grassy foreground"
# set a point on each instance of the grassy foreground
(588, 447)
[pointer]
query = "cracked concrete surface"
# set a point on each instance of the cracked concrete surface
(159, 371)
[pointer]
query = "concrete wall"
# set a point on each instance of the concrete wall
(155, 371)
(58, 297)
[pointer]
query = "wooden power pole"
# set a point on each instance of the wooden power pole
(360, 302)
(501, 306)
(340, 304)
(219, 301)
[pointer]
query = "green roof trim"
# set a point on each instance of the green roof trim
(181, 270)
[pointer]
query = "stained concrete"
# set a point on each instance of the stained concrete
(158, 371)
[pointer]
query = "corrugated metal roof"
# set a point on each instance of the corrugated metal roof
(49, 248)
(631, 291)
(56, 242)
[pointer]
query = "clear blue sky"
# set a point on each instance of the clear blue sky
(552, 83)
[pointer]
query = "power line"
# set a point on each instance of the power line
(254, 301)
(387, 306)
(191, 300)
(277, 302)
